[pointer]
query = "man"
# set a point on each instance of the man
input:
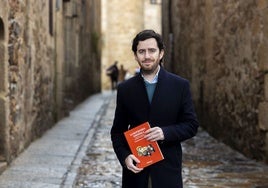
(113, 73)
(164, 100)
(122, 74)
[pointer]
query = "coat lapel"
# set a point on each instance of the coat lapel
(158, 89)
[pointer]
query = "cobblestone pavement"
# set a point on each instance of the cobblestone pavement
(206, 162)
(100, 167)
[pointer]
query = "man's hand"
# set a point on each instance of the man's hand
(129, 161)
(154, 134)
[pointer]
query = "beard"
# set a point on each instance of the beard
(149, 69)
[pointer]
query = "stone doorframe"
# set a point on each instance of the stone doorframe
(3, 94)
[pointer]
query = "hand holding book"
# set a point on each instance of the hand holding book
(154, 134)
(143, 145)
(130, 162)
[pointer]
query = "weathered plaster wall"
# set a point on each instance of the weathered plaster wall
(221, 47)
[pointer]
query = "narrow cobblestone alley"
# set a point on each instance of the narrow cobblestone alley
(57, 106)
(206, 162)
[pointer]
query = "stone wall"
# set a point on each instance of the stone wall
(30, 73)
(43, 75)
(81, 68)
(221, 47)
(3, 79)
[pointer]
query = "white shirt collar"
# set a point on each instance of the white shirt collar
(155, 77)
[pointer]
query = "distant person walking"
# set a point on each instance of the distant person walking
(113, 73)
(122, 74)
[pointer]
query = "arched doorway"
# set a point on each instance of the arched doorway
(3, 106)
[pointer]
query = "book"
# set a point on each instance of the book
(147, 152)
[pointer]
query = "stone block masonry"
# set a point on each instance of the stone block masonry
(45, 65)
(221, 47)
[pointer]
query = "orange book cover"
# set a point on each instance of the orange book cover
(147, 152)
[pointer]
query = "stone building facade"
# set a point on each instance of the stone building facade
(49, 62)
(221, 47)
(121, 21)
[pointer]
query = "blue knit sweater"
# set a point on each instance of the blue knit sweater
(150, 87)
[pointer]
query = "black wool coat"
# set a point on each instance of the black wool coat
(171, 109)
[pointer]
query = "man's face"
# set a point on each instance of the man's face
(148, 55)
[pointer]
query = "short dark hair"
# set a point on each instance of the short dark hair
(144, 35)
